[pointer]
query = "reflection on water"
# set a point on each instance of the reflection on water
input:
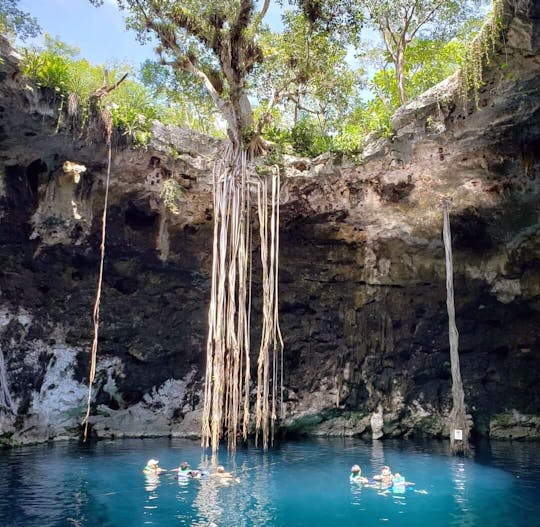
(463, 516)
(262, 508)
(356, 491)
(223, 501)
(377, 456)
(152, 481)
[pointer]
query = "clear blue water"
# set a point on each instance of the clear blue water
(296, 484)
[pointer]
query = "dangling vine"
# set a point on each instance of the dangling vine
(105, 118)
(270, 352)
(107, 121)
(227, 381)
(478, 54)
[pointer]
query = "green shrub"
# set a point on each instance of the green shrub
(308, 139)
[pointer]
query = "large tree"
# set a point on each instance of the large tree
(216, 42)
(400, 21)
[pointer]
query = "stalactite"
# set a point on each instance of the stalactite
(227, 381)
(6, 402)
(459, 427)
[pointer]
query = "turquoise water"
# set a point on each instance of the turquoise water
(296, 484)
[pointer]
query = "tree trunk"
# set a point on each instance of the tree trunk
(296, 107)
(399, 64)
(459, 426)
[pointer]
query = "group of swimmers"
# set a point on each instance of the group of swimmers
(385, 481)
(184, 471)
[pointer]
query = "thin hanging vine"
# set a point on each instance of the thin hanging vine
(104, 117)
(107, 120)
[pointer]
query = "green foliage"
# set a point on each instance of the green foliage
(278, 135)
(133, 105)
(308, 139)
(132, 108)
(307, 95)
(14, 22)
(214, 42)
(343, 18)
(172, 191)
(46, 69)
(180, 98)
(402, 22)
(348, 140)
(305, 72)
(427, 63)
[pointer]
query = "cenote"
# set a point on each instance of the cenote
(224, 236)
(296, 484)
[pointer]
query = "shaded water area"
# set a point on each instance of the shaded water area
(296, 484)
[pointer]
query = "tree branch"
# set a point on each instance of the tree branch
(260, 15)
(106, 89)
(425, 19)
(237, 38)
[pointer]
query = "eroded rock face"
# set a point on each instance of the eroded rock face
(362, 284)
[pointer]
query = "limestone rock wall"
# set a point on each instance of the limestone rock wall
(362, 284)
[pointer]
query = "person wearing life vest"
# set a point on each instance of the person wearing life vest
(152, 468)
(399, 485)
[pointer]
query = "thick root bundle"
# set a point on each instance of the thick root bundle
(227, 381)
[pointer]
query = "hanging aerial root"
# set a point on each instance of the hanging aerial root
(458, 424)
(270, 353)
(95, 317)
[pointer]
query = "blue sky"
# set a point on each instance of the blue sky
(99, 32)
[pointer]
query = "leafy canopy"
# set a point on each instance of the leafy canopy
(13, 21)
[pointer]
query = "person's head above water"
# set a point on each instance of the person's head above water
(152, 463)
(184, 465)
(221, 469)
(385, 471)
(355, 469)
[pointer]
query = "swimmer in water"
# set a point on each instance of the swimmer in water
(184, 471)
(225, 477)
(356, 475)
(152, 468)
(385, 477)
(399, 485)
